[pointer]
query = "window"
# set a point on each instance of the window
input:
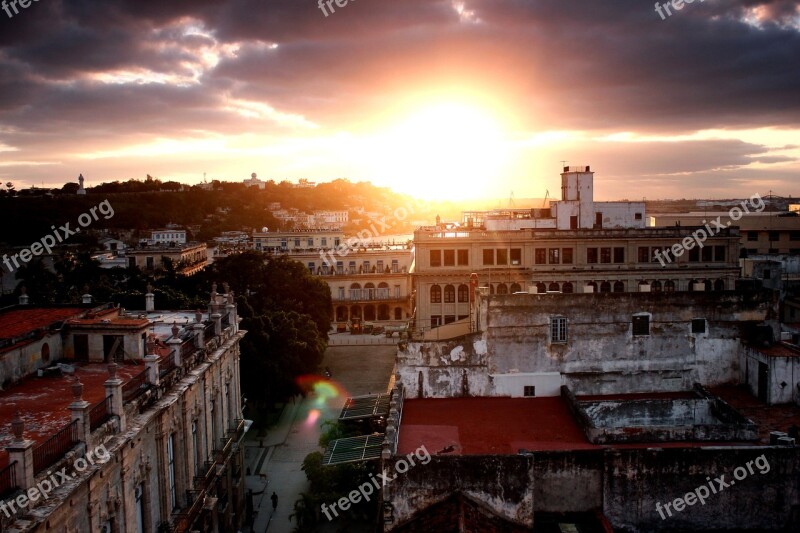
(502, 288)
(656, 286)
(566, 256)
(173, 495)
(619, 254)
(529, 391)
(340, 267)
(436, 258)
(644, 254)
(449, 258)
(463, 257)
(366, 267)
(573, 222)
(436, 321)
(598, 220)
(558, 329)
(567, 288)
(341, 293)
(488, 256)
(463, 294)
(436, 294)
(325, 241)
(605, 286)
(708, 254)
(694, 255)
(297, 243)
(591, 255)
(698, 325)
(553, 287)
(541, 288)
(395, 266)
(311, 267)
(554, 256)
(637, 216)
(774, 236)
(449, 294)
(502, 256)
(641, 325)
(380, 266)
(619, 286)
(516, 256)
(515, 288)
(605, 255)
(45, 352)
(310, 243)
(540, 256)
(752, 235)
(794, 235)
(352, 266)
(719, 253)
(669, 286)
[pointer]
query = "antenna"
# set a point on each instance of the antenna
(564, 164)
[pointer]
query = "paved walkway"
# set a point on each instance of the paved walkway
(275, 461)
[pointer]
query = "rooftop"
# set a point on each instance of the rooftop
(21, 321)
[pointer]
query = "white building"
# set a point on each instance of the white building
(165, 236)
(255, 182)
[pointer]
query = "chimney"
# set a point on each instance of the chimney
(149, 300)
(24, 299)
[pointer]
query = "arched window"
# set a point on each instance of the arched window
(709, 285)
(449, 294)
(553, 287)
(515, 288)
(605, 286)
(383, 312)
(567, 288)
(398, 313)
(655, 286)
(436, 294)
(719, 285)
(463, 293)
(491, 289)
(690, 288)
(502, 288)
(669, 286)
(619, 286)
(541, 288)
(593, 285)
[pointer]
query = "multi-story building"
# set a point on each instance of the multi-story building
(761, 233)
(296, 241)
(331, 219)
(188, 258)
(140, 412)
(577, 245)
(168, 236)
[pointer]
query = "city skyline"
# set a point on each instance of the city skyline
(438, 99)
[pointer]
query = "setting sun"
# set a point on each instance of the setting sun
(446, 151)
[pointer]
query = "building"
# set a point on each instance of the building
(255, 182)
(168, 236)
(296, 240)
(761, 232)
(141, 411)
(575, 246)
(591, 412)
(187, 259)
(331, 219)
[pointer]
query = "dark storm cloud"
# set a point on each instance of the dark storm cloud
(611, 66)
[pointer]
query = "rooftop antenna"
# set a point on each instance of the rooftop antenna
(564, 164)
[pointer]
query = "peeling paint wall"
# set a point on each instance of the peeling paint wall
(601, 355)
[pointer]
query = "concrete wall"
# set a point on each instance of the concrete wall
(24, 360)
(601, 355)
(784, 376)
(625, 484)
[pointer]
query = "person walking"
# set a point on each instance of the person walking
(274, 499)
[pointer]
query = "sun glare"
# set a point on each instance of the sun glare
(447, 151)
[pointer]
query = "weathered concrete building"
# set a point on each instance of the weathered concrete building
(142, 415)
(576, 246)
(585, 412)
(532, 344)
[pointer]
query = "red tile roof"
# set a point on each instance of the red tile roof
(43, 401)
(16, 322)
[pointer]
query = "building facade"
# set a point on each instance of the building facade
(576, 246)
(188, 258)
(149, 443)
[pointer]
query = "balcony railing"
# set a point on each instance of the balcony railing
(166, 365)
(135, 387)
(209, 331)
(8, 480)
(100, 413)
(54, 448)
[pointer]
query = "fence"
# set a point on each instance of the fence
(208, 332)
(100, 413)
(166, 365)
(8, 479)
(136, 386)
(55, 447)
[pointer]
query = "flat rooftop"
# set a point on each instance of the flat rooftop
(503, 426)
(17, 322)
(43, 402)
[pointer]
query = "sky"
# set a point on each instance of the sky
(441, 99)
